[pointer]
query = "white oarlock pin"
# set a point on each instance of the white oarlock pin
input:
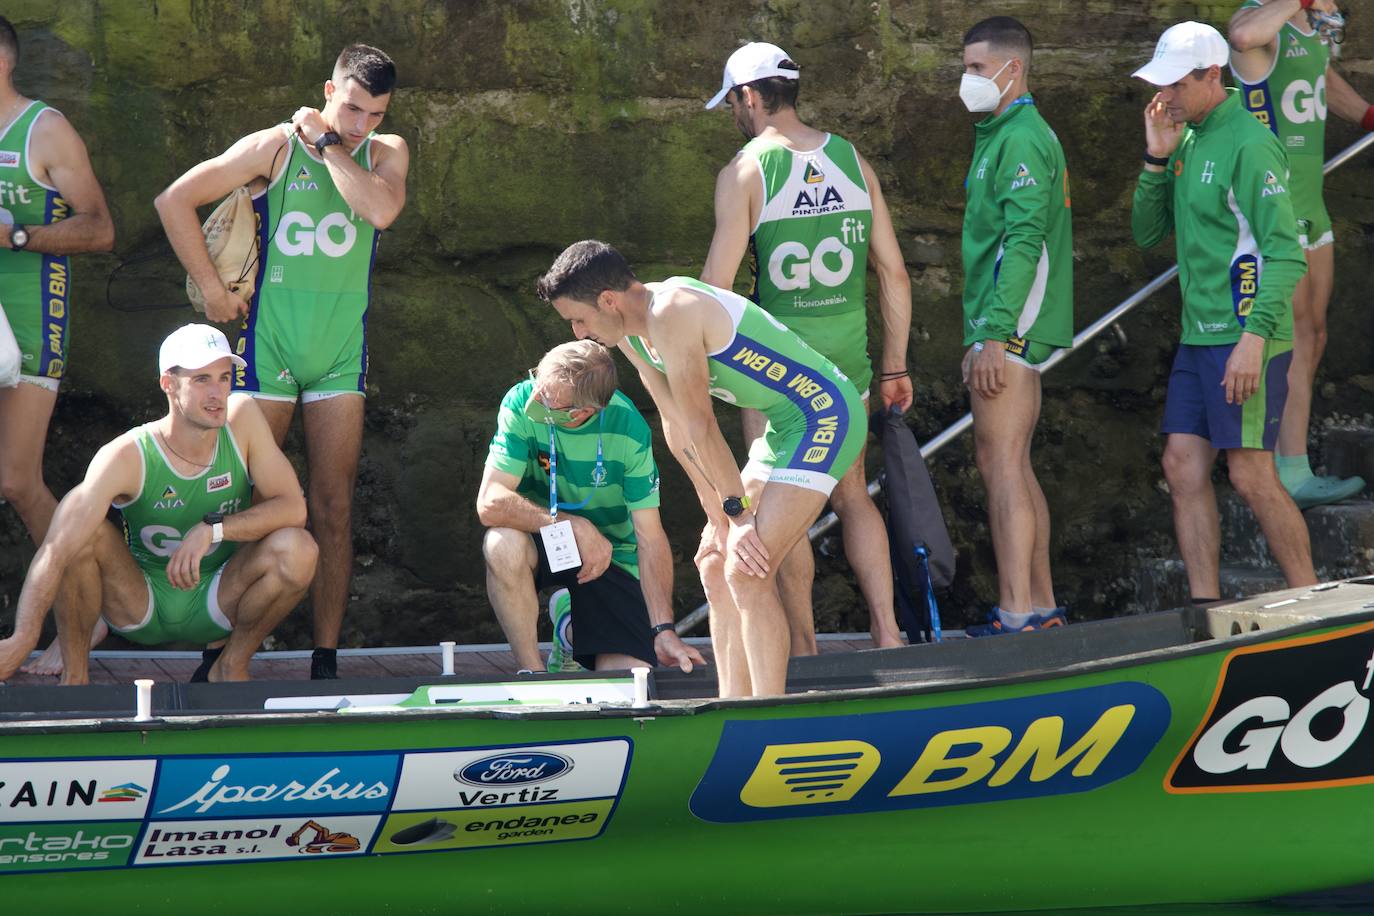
(446, 647)
(143, 698)
(641, 675)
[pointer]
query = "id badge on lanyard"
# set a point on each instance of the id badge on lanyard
(560, 546)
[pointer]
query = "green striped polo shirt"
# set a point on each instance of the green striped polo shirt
(627, 480)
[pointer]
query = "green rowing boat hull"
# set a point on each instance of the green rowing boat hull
(1218, 771)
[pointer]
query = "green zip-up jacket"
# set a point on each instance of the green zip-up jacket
(1018, 241)
(1225, 195)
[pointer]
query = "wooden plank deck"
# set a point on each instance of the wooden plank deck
(123, 667)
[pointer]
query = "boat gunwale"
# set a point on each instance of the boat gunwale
(685, 707)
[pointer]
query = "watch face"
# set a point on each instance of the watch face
(19, 238)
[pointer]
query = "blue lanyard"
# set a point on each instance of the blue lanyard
(597, 474)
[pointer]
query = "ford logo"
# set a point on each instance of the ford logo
(513, 769)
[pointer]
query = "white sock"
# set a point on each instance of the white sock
(1015, 621)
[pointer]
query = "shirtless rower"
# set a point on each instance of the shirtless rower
(202, 563)
(691, 341)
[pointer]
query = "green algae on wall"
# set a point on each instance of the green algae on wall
(535, 123)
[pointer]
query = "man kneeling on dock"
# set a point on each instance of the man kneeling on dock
(570, 497)
(199, 561)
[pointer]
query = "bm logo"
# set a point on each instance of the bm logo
(1054, 744)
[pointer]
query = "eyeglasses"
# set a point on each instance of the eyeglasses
(540, 412)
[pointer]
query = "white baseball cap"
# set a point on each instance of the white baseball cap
(195, 346)
(1182, 49)
(755, 61)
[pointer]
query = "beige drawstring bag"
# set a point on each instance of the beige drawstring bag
(231, 236)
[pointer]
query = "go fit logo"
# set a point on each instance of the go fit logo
(1286, 716)
(298, 235)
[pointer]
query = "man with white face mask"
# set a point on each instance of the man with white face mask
(1018, 308)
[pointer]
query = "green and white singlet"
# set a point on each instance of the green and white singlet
(816, 423)
(156, 520)
(625, 478)
(1291, 101)
(809, 250)
(306, 330)
(35, 288)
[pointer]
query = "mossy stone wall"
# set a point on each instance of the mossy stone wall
(533, 124)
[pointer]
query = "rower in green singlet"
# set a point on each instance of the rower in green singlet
(1282, 54)
(214, 547)
(808, 402)
(690, 342)
(324, 188)
(809, 211)
(51, 206)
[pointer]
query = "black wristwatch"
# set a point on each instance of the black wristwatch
(328, 138)
(19, 237)
(1160, 161)
(662, 628)
(734, 506)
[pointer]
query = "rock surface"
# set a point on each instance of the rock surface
(534, 124)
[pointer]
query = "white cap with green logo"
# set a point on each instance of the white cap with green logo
(195, 346)
(1182, 49)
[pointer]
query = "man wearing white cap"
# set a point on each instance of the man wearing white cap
(809, 209)
(1282, 55)
(1218, 179)
(202, 561)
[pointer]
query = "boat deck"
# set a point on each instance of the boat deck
(477, 661)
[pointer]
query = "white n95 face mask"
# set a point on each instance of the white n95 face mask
(980, 93)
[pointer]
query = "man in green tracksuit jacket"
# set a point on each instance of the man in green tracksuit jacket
(1018, 308)
(1219, 179)
(1282, 54)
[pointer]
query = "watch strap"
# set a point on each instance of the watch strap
(328, 138)
(663, 628)
(1160, 161)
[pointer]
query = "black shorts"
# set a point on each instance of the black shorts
(608, 613)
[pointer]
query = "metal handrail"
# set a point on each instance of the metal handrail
(955, 429)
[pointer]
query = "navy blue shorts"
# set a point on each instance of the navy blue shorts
(1196, 404)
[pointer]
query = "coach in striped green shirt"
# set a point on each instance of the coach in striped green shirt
(569, 419)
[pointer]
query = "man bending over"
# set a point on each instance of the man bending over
(691, 341)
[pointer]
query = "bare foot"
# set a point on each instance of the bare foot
(887, 640)
(13, 652)
(220, 672)
(50, 662)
